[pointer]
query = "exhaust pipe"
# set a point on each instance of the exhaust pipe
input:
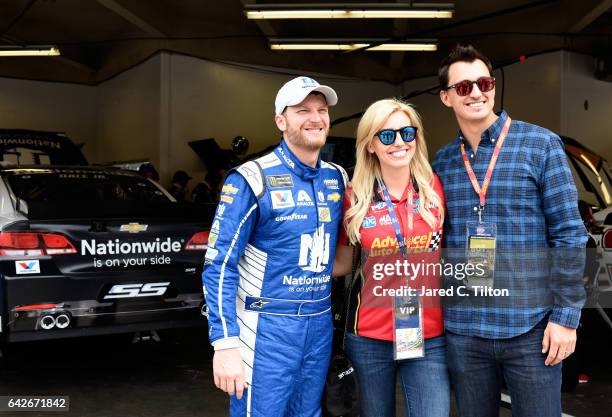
(62, 321)
(47, 322)
(146, 336)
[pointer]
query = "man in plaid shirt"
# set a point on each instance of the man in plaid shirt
(528, 194)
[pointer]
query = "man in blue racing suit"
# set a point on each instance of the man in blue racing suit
(267, 275)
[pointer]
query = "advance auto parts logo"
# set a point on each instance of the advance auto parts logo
(116, 247)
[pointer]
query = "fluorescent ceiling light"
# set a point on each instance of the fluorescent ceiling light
(317, 47)
(350, 11)
(426, 47)
(351, 14)
(350, 45)
(29, 51)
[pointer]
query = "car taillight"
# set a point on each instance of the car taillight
(34, 244)
(606, 240)
(57, 244)
(198, 241)
(33, 307)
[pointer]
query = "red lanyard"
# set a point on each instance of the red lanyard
(482, 193)
(410, 206)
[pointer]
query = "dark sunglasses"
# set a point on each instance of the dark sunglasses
(465, 87)
(387, 136)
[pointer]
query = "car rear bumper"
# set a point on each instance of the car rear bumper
(87, 318)
(102, 330)
(56, 306)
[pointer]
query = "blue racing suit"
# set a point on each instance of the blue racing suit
(267, 279)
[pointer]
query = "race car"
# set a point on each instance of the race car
(86, 250)
(603, 219)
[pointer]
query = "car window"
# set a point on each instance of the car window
(83, 186)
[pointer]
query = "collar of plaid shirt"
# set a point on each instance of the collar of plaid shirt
(486, 137)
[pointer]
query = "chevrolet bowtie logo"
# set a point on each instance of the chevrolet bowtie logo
(133, 227)
(259, 304)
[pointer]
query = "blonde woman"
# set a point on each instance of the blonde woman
(392, 170)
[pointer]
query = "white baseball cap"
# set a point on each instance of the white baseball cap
(296, 90)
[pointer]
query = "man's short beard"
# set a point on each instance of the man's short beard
(307, 144)
(303, 142)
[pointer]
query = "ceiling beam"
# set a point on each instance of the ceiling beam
(264, 25)
(400, 27)
(11, 40)
(75, 64)
(133, 18)
(588, 18)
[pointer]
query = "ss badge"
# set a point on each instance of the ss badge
(149, 289)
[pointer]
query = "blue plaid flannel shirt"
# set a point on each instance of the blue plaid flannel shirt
(533, 200)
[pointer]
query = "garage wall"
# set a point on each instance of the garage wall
(532, 90)
(549, 90)
(216, 100)
(438, 121)
(531, 94)
(592, 126)
(59, 107)
(154, 109)
(127, 116)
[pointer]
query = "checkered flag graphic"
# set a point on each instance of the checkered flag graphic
(434, 243)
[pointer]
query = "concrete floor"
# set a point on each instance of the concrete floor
(110, 376)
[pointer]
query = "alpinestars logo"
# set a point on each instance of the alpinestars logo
(314, 250)
(259, 304)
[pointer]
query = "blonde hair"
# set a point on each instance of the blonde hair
(367, 167)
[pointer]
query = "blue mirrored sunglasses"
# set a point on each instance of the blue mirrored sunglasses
(387, 136)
